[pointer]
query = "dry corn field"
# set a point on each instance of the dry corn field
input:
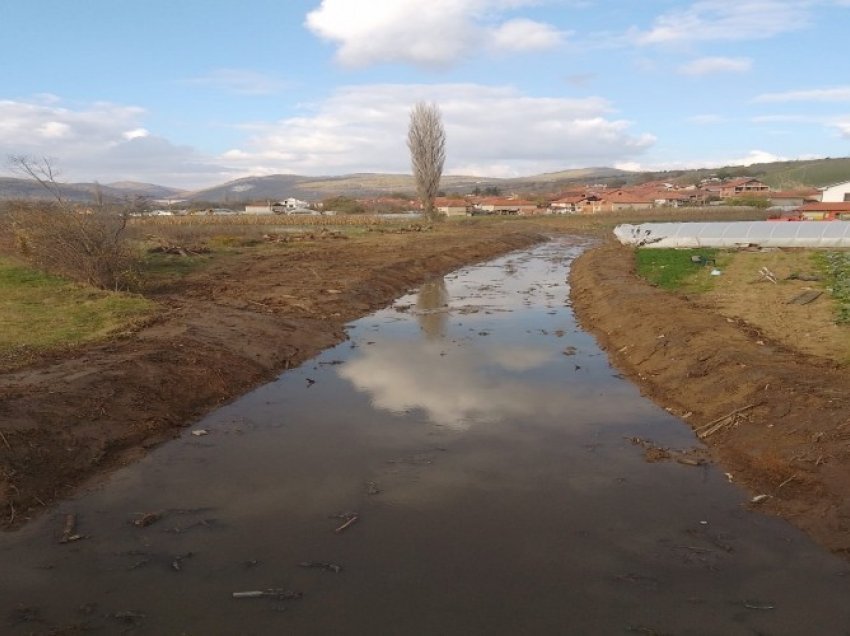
(267, 220)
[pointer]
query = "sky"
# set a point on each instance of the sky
(192, 93)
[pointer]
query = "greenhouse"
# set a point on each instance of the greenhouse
(825, 234)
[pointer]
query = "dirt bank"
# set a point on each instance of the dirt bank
(225, 330)
(777, 419)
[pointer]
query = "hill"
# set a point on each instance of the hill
(148, 190)
(17, 188)
(375, 184)
(779, 175)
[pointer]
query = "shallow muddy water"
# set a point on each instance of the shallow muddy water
(482, 440)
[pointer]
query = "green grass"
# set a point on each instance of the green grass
(39, 312)
(169, 267)
(835, 267)
(674, 269)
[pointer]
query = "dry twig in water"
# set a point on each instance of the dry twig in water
(350, 520)
(69, 534)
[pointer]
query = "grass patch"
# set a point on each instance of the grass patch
(159, 268)
(835, 267)
(40, 312)
(675, 269)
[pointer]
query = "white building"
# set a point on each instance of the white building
(836, 193)
(287, 206)
(291, 204)
(259, 209)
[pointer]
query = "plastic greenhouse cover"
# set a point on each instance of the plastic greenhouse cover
(737, 234)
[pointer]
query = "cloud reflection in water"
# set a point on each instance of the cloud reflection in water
(456, 387)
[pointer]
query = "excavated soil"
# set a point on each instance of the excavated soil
(775, 417)
(226, 329)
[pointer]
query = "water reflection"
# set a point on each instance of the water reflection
(541, 519)
(432, 308)
(455, 386)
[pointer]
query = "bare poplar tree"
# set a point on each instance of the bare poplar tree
(426, 140)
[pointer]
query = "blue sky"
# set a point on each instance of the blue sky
(192, 93)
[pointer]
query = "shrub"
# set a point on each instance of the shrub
(761, 203)
(83, 245)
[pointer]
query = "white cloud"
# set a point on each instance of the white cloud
(843, 128)
(53, 130)
(833, 94)
(99, 141)
(629, 166)
(786, 119)
(239, 81)
(136, 133)
(424, 32)
(708, 65)
(706, 120)
(580, 80)
(525, 35)
(491, 131)
(756, 156)
(834, 123)
(751, 157)
(725, 20)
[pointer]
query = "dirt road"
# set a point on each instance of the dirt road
(777, 419)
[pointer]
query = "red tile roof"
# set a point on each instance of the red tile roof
(445, 202)
(826, 207)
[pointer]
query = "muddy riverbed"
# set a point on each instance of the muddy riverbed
(468, 462)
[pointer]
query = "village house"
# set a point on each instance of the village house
(742, 187)
(259, 209)
(290, 203)
(792, 199)
(452, 207)
(835, 193)
(287, 206)
(627, 200)
(673, 198)
(576, 203)
(509, 207)
(830, 211)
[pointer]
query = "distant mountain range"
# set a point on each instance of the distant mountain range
(779, 175)
(15, 188)
(280, 186)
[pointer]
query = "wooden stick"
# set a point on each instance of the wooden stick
(5, 441)
(69, 534)
(786, 481)
(723, 417)
(351, 521)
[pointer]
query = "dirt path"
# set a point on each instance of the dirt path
(776, 419)
(226, 330)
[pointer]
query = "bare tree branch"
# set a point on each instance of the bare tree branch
(42, 171)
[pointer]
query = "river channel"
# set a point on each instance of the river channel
(464, 463)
